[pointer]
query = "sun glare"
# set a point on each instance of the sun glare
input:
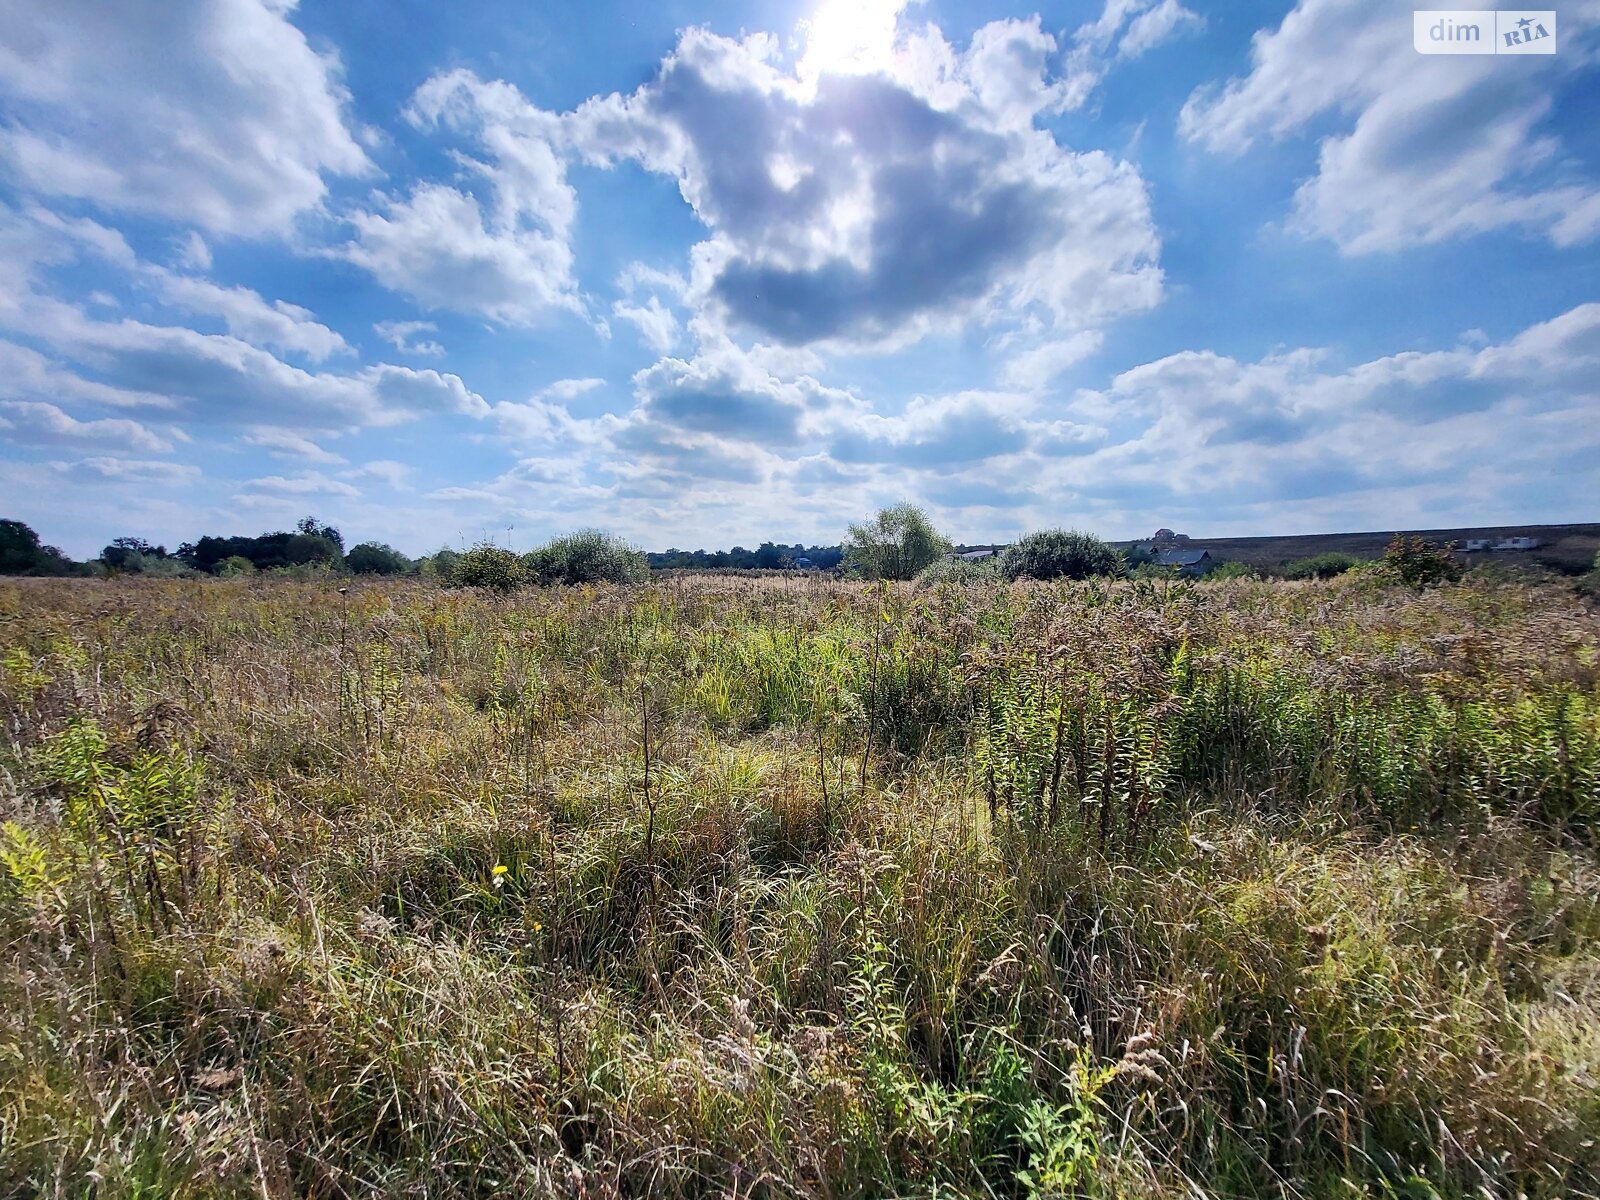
(850, 37)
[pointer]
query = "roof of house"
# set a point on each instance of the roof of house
(1182, 558)
(972, 555)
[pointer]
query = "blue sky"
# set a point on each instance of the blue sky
(707, 274)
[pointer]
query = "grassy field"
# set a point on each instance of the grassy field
(1561, 547)
(799, 888)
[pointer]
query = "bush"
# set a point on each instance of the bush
(588, 556)
(1230, 570)
(1419, 563)
(960, 571)
(232, 568)
(896, 544)
(1321, 566)
(1059, 554)
(376, 558)
(489, 566)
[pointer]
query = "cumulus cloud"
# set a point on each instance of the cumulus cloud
(182, 373)
(1453, 429)
(867, 209)
(211, 112)
(279, 324)
(508, 255)
(37, 423)
(1404, 170)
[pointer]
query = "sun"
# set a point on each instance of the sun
(850, 37)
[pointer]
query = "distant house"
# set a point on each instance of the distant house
(973, 555)
(1474, 544)
(1190, 563)
(804, 564)
(1517, 543)
(1165, 537)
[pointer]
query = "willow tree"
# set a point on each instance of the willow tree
(896, 544)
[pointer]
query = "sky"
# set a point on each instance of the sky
(706, 274)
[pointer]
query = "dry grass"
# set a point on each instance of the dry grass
(798, 888)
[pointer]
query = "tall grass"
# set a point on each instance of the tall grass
(800, 888)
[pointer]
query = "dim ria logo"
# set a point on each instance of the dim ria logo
(1484, 31)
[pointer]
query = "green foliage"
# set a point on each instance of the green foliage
(234, 567)
(1419, 563)
(896, 544)
(439, 565)
(1231, 570)
(1321, 566)
(489, 566)
(1059, 554)
(22, 554)
(376, 558)
(960, 571)
(587, 556)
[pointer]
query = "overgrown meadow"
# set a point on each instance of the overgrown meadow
(799, 888)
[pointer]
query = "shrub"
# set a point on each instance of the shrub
(1419, 563)
(960, 571)
(489, 566)
(588, 556)
(896, 544)
(232, 568)
(1321, 566)
(1059, 554)
(439, 565)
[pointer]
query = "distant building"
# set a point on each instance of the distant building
(1517, 543)
(1165, 537)
(973, 555)
(1472, 545)
(1190, 563)
(804, 564)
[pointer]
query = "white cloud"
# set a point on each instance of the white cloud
(507, 256)
(280, 325)
(129, 470)
(211, 112)
(866, 210)
(1155, 26)
(1437, 147)
(1448, 436)
(657, 324)
(286, 443)
(396, 475)
(1125, 29)
(309, 483)
(1035, 368)
(193, 253)
(36, 423)
(400, 335)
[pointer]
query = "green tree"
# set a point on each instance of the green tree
(311, 527)
(1060, 554)
(376, 558)
(22, 554)
(896, 544)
